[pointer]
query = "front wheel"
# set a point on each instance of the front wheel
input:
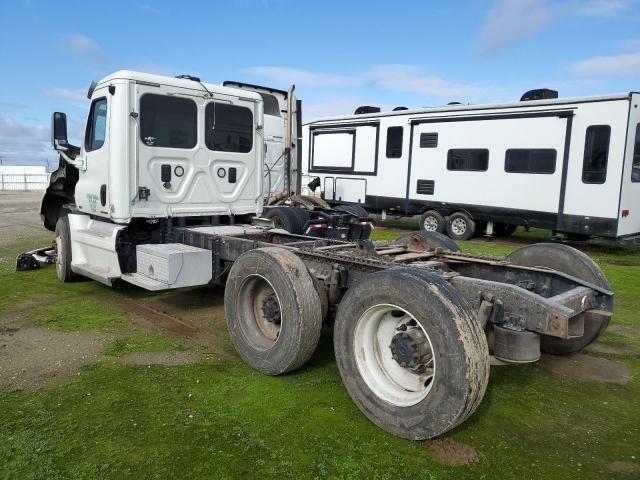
(63, 251)
(432, 221)
(410, 353)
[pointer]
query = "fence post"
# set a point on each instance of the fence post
(25, 181)
(2, 175)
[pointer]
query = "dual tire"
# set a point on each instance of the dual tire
(291, 219)
(458, 226)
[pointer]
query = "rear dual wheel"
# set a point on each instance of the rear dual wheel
(291, 219)
(273, 310)
(410, 352)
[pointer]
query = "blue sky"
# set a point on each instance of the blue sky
(340, 54)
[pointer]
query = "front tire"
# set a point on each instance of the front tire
(566, 259)
(273, 310)
(63, 251)
(410, 353)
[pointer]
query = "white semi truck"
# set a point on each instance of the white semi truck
(168, 189)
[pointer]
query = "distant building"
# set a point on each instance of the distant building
(23, 177)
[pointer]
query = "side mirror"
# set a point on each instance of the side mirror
(59, 131)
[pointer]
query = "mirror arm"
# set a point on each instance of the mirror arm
(78, 162)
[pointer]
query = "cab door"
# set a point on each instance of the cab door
(92, 189)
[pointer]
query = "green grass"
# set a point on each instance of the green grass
(222, 420)
(121, 346)
(78, 314)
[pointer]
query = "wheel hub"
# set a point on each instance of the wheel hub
(271, 309)
(410, 349)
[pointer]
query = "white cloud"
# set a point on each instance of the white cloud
(510, 21)
(22, 144)
(286, 75)
(621, 64)
(87, 51)
(398, 78)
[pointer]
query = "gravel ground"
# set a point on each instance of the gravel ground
(19, 216)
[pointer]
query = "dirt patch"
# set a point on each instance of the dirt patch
(161, 358)
(451, 452)
(33, 357)
(197, 315)
(624, 467)
(585, 368)
(615, 349)
(625, 331)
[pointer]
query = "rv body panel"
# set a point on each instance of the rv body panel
(629, 210)
(554, 164)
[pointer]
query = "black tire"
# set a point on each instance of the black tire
(303, 217)
(285, 218)
(432, 239)
(460, 226)
(356, 210)
(63, 251)
(504, 229)
(573, 262)
(272, 340)
(432, 221)
(460, 350)
(363, 231)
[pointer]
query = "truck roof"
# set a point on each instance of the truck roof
(177, 82)
(463, 108)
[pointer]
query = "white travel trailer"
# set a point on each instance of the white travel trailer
(571, 165)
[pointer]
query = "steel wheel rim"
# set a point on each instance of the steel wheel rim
(458, 226)
(430, 224)
(383, 375)
(259, 330)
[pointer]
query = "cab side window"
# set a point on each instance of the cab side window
(96, 125)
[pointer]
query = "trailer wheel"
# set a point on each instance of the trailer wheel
(432, 239)
(432, 221)
(303, 217)
(573, 262)
(460, 226)
(504, 229)
(286, 218)
(63, 251)
(273, 310)
(410, 353)
(360, 212)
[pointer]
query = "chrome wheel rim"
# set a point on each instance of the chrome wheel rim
(458, 226)
(430, 224)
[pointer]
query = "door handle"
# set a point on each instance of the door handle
(103, 195)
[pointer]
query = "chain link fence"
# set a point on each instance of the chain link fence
(24, 181)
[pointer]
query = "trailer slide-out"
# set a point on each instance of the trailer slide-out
(416, 322)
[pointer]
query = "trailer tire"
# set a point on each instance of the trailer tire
(273, 310)
(390, 395)
(360, 212)
(460, 226)
(63, 251)
(504, 229)
(432, 239)
(573, 262)
(432, 221)
(285, 218)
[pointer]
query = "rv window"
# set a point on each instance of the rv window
(635, 168)
(229, 128)
(96, 126)
(529, 160)
(394, 142)
(429, 140)
(169, 122)
(596, 153)
(468, 159)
